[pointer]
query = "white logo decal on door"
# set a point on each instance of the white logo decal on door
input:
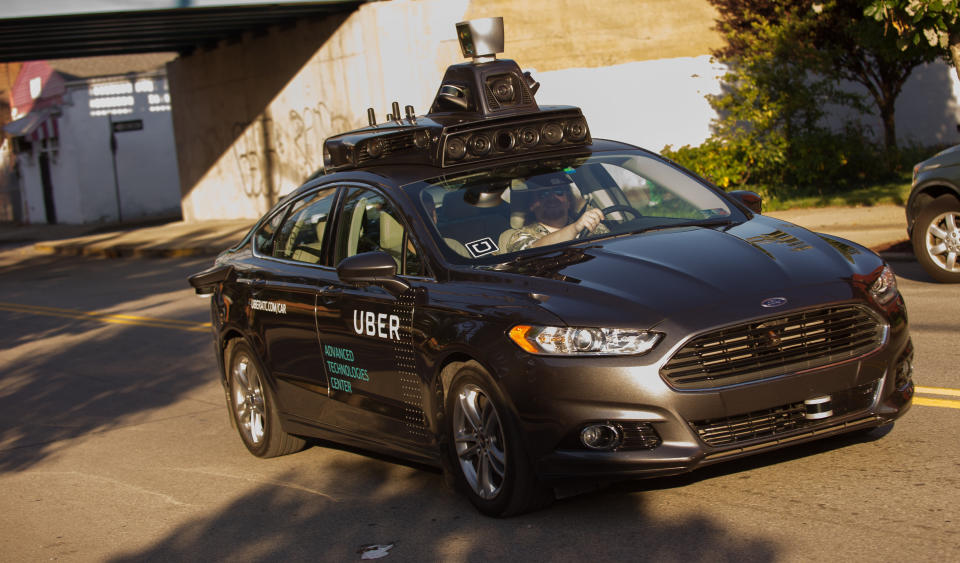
(380, 325)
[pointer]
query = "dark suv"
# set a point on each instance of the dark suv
(933, 214)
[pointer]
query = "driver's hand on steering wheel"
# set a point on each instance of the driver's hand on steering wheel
(589, 220)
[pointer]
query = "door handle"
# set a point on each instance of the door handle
(252, 282)
(330, 295)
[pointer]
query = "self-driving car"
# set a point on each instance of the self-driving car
(408, 300)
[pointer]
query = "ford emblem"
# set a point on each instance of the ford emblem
(771, 302)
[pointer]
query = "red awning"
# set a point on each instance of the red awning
(35, 126)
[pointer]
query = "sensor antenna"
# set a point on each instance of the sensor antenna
(409, 110)
(395, 108)
(371, 117)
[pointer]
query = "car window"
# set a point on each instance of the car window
(506, 209)
(300, 237)
(263, 239)
(368, 222)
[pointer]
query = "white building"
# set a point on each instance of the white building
(94, 149)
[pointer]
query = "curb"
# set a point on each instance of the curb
(124, 251)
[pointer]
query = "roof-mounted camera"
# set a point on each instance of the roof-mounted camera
(481, 39)
(486, 85)
(483, 110)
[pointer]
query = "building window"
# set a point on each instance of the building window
(36, 87)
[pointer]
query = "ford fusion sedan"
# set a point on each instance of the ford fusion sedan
(409, 300)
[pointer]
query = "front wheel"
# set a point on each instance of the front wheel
(936, 239)
(485, 449)
(252, 407)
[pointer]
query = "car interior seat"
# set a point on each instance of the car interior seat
(391, 236)
(467, 223)
(356, 223)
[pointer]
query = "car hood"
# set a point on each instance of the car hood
(696, 273)
(946, 156)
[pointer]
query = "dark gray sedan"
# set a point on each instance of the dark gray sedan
(489, 289)
(933, 215)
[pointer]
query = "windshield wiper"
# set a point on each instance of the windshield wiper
(707, 223)
(548, 259)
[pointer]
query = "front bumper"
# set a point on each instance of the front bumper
(697, 428)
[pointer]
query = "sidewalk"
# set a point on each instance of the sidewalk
(882, 228)
(176, 238)
(879, 228)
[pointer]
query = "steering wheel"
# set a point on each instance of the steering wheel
(611, 209)
(620, 209)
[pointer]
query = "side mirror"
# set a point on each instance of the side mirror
(206, 282)
(377, 268)
(751, 200)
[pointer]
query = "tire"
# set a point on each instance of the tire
(252, 406)
(936, 239)
(485, 449)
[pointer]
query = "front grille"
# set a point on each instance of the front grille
(771, 423)
(774, 346)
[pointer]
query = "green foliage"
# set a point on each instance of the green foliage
(894, 192)
(852, 186)
(786, 60)
(935, 23)
(823, 158)
(918, 20)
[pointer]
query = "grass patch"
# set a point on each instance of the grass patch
(894, 192)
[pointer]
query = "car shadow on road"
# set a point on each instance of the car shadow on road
(65, 375)
(911, 270)
(415, 518)
(784, 455)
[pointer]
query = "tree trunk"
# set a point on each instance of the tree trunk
(955, 51)
(889, 125)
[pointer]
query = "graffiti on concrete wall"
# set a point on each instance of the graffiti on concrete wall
(308, 129)
(273, 156)
(251, 155)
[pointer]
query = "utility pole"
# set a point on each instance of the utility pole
(116, 178)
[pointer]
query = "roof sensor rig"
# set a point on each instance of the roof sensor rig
(484, 109)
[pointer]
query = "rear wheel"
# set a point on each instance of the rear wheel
(252, 405)
(936, 239)
(487, 458)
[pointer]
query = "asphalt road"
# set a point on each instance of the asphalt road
(115, 445)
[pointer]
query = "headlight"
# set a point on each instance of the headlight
(884, 288)
(574, 341)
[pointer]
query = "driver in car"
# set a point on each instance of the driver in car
(551, 218)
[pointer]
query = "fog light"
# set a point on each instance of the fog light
(601, 436)
(905, 367)
(904, 373)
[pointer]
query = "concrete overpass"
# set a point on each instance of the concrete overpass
(58, 29)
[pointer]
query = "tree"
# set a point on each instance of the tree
(935, 22)
(770, 130)
(773, 100)
(833, 39)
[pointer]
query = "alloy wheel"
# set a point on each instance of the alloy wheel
(943, 241)
(479, 441)
(248, 403)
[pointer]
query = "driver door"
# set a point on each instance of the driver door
(365, 332)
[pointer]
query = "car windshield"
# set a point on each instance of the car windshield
(501, 212)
